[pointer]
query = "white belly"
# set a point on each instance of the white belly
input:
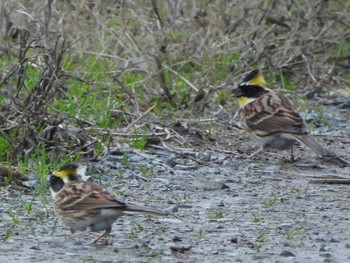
(278, 141)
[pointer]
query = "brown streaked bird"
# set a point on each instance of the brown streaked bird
(272, 119)
(85, 206)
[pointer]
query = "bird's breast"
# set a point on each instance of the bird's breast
(282, 141)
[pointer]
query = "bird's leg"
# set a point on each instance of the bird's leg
(78, 233)
(104, 234)
(292, 158)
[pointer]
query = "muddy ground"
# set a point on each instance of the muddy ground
(226, 207)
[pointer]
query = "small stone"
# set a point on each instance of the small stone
(136, 158)
(272, 168)
(180, 249)
(207, 185)
(177, 239)
(323, 248)
(160, 169)
(225, 186)
(185, 167)
(333, 240)
(35, 248)
(113, 162)
(320, 239)
(326, 255)
(262, 255)
(206, 158)
(286, 253)
(171, 161)
(234, 240)
(220, 158)
(188, 153)
(226, 162)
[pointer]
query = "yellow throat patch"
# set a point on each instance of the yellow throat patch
(257, 80)
(242, 101)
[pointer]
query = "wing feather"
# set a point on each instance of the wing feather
(272, 113)
(83, 195)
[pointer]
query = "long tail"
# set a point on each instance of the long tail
(147, 210)
(315, 146)
(321, 150)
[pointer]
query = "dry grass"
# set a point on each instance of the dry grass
(161, 61)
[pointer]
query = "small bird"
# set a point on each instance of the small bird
(272, 119)
(85, 206)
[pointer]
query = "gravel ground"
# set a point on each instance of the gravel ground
(227, 208)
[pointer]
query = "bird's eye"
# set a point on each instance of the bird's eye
(56, 183)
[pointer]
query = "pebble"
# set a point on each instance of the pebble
(185, 167)
(226, 162)
(234, 240)
(272, 168)
(171, 161)
(206, 158)
(111, 159)
(177, 239)
(287, 253)
(333, 240)
(160, 169)
(220, 158)
(171, 221)
(136, 158)
(107, 163)
(323, 248)
(188, 153)
(209, 170)
(326, 255)
(262, 255)
(210, 185)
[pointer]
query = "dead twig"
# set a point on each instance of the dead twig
(331, 181)
(183, 78)
(139, 118)
(165, 147)
(162, 79)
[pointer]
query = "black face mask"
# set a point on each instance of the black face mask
(249, 91)
(55, 182)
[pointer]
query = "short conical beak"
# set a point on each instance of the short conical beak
(48, 183)
(235, 92)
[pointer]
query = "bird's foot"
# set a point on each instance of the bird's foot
(102, 239)
(289, 159)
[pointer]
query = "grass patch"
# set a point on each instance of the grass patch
(64, 96)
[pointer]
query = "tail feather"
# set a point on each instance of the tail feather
(321, 150)
(146, 210)
(315, 146)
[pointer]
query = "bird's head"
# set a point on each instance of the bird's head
(62, 176)
(252, 87)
